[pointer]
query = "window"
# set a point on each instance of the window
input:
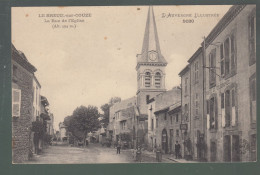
(152, 124)
(196, 104)
(165, 116)
(222, 60)
(252, 37)
(229, 105)
(177, 133)
(186, 85)
(227, 59)
(212, 113)
(157, 124)
(177, 118)
(147, 98)
(227, 108)
(171, 119)
(252, 84)
(186, 112)
(212, 68)
(157, 80)
(147, 79)
(228, 56)
(123, 125)
(196, 72)
(16, 102)
(14, 71)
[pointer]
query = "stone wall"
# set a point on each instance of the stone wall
(22, 125)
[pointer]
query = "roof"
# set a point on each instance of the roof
(150, 41)
(21, 59)
(221, 25)
(175, 107)
(184, 70)
(164, 100)
(195, 55)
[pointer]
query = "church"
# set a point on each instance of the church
(129, 118)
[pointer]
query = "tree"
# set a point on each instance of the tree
(105, 109)
(82, 121)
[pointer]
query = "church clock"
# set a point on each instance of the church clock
(153, 56)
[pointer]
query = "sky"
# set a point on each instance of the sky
(93, 60)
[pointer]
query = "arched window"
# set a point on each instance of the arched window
(147, 79)
(157, 80)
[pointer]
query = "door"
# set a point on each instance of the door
(171, 140)
(227, 148)
(213, 151)
(164, 141)
(235, 149)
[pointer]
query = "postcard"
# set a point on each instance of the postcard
(133, 84)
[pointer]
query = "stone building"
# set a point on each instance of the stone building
(165, 123)
(22, 105)
(225, 95)
(186, 106)
(118, 118)
(230, 86)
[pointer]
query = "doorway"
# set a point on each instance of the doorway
(164, 141)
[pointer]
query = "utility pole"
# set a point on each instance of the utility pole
(203, 93)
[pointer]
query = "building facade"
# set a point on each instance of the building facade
(22, 106)
(231, 89)
(167, 120)
(197, 99)
(219, 85)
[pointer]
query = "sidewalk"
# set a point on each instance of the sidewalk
(168, 158)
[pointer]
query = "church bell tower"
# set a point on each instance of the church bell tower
(150, 65)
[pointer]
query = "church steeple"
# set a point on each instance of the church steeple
(151, 51)
(150, 66)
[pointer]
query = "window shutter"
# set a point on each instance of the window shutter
(223, 110)
(16, 102)
(216, 113)
(233, 96)
(208, 121)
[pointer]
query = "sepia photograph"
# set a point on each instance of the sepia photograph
(134, 84)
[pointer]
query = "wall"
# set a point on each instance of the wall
(21, 126)
(238, 26)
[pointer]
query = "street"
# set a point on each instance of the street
(93, 153)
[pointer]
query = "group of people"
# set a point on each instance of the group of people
(177, 150)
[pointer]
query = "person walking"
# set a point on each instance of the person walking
(177, 150)
(118, 147)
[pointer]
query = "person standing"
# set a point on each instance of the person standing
(118, 147)
(36, 142)
(177, 150)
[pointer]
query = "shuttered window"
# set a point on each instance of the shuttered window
(16, 102)
(228, 56)
(252, 37)
(230, 107)
(212, 68)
